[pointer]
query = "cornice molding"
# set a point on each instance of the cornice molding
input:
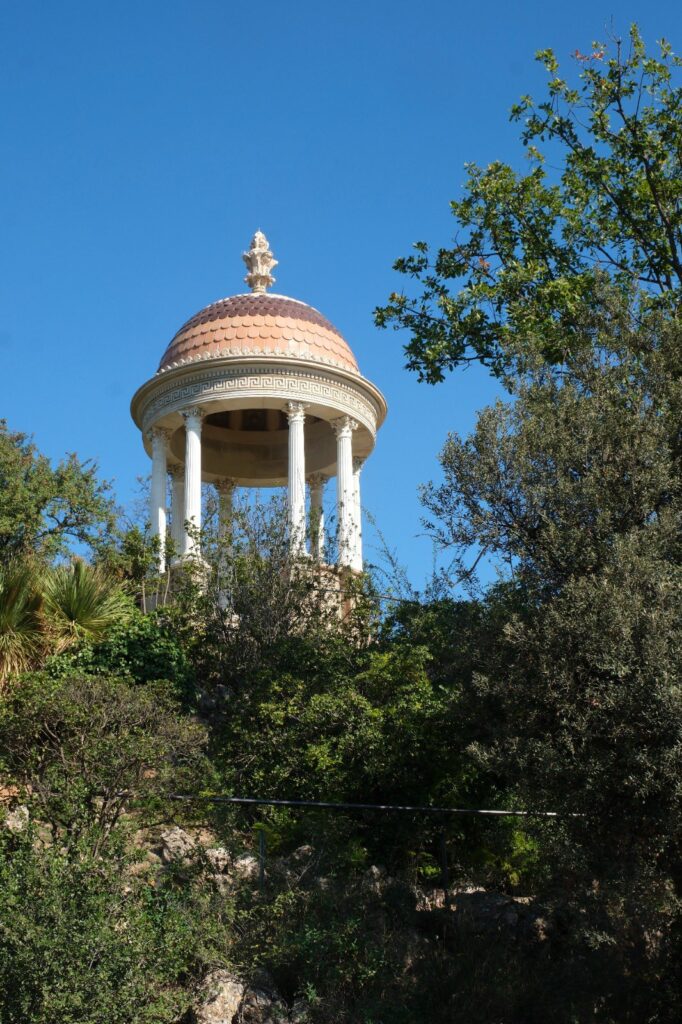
(202, 384)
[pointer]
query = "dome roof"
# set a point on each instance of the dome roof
(258, 324)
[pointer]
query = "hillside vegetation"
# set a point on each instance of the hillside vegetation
(555, 688)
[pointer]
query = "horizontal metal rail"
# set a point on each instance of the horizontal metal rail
(331, 806)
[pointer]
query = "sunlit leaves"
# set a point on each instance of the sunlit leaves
(603, 197)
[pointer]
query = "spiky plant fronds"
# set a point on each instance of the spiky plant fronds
(21, 626)
(81, 603)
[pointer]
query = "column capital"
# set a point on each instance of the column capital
(317, 480)
(358, 463)
(225, 485)
(344, 426)
(193, 412)
(159, 434)
(296, 411)
(177, 471)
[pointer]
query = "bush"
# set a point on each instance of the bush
(91, 748)
(147, 647)
(81, 940)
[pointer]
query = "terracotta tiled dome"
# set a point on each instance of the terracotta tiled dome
(259, 324)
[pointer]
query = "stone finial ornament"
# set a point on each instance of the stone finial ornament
(260, 263)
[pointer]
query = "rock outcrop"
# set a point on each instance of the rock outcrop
(225, 998)
(16, 820)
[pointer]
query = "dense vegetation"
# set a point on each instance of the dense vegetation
(556, 688)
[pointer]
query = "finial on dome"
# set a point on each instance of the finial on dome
(259, 261)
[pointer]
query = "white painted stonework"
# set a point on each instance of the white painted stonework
(269, 395)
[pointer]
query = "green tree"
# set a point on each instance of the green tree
(574, 490)
(602, 199)
(45, 508)
(88, 749)
(259, 602)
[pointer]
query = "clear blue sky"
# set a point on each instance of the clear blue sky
(143, 143)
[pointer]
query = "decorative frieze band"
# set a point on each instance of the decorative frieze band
(302, 386)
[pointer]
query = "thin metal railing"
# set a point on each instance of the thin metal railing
(345, 806)
(339, 806)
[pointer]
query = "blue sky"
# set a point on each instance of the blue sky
(143, 143)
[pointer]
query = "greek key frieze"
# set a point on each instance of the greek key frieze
(211, 384)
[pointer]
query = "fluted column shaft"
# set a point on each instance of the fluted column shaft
(157, 496)
(344, 427)
(177, 474)
(357, 515)
(316, 483)
(296, 489)
(192, 517)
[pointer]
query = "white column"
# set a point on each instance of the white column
(343, 428)
(316, 482)
(177, 474)
(296, 492)
(225, 489)
(357, 515)
(157, 496)
(192, 516)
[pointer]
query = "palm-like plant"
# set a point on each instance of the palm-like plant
(80, 602)
(21, 627)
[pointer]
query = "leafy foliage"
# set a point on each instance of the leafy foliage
(90, 748)
(82, 939)
(574, 487)
(259, 601)
(547, 481)
(531, 250)
(142, 647)
(45, 610)
(43, 508)
(80, 603)
(22, 637)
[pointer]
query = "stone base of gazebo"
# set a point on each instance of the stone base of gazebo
(330, 590)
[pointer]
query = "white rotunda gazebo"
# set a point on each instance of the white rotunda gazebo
(258, 390)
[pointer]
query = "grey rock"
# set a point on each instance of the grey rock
(219, 859)
(262, 1006)
(300, 1012)
(246, 868)
(17, 819)
(220, 998)
(176, 844)
(225, 998)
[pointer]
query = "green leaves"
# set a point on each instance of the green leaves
(89, 747)
(44, 508)
(604, 198)
(81, 604)
(574, 489)
(22, 635)
(45, 611)
(84, 941)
